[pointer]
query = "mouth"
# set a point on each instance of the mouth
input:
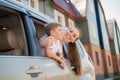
(67, 38)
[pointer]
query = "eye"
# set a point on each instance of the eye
(71, 31)
(60, 29)
(74, 36)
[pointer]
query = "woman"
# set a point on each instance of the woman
(69, 36)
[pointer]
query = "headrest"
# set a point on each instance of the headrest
(7, 40)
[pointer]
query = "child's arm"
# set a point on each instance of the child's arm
(60, 52)
(61, 56)
(54, 56)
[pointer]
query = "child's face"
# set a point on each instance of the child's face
(58, 32)
(71, 35)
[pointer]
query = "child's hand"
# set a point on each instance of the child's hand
(62, 58)
(62, 63)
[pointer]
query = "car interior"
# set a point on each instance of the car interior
(39, 26)
(12, 38)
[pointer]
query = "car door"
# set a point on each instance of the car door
(53, 70)
(21, 68)
(84, 61)
(88, 72)
(52, 67)
(17, 46)
(69, 68)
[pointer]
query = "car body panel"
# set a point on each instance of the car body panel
(53, 70)
(15, 68)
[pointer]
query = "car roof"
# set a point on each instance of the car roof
(13, 6)
(18, 6)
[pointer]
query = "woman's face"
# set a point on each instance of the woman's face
(71, 35)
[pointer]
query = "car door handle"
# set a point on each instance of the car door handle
(34, 70)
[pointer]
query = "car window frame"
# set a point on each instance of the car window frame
(21, 25)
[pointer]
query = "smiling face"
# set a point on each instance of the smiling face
(57, 32)
(71, 35)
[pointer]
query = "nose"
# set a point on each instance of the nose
(70, 34)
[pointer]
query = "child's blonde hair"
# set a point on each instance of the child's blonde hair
(51, 26)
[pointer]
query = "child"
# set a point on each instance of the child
(54, 49)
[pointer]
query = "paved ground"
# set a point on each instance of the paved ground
(112, 78)
(109, 79)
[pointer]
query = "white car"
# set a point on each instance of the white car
(20, 57)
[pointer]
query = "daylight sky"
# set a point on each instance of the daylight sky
(112, 9)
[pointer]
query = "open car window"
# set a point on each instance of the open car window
(40, 31)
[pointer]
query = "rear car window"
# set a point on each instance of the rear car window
(12, 37)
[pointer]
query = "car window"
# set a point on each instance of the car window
(65, 51)
(12, 37)
(40, 31)
(39, 26)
